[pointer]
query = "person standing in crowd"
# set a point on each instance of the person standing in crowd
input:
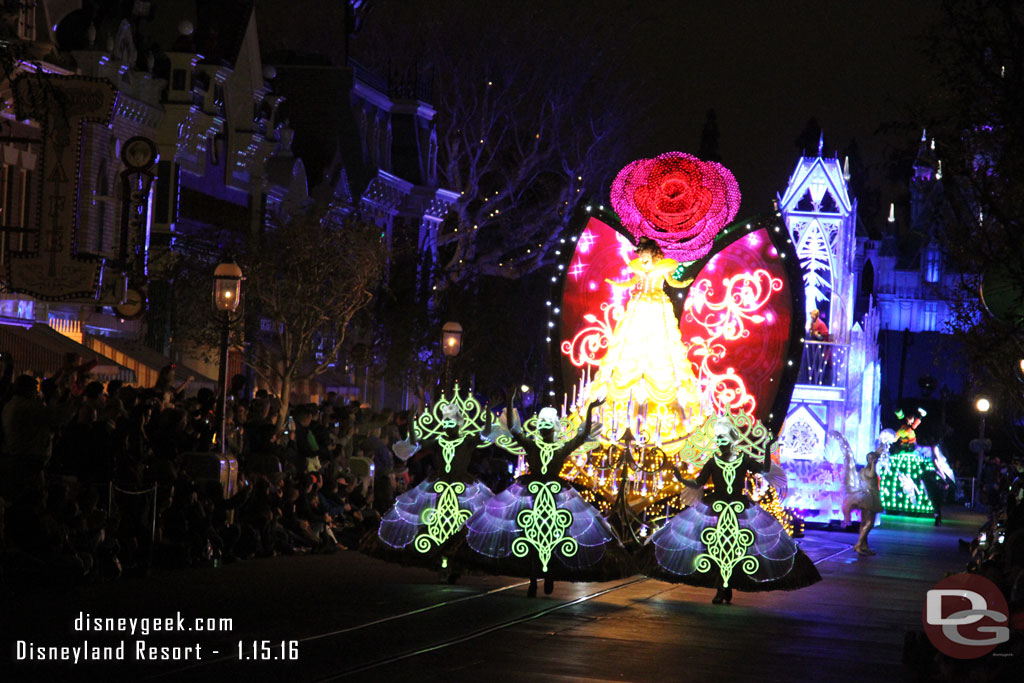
(307, 447)
(74, 374)
(384, 470)
(29, 425)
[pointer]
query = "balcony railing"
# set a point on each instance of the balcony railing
(407, 84)
(824, 364)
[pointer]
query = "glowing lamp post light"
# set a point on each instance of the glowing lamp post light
(451, 339)
(451, 346)
(981, 444)
(227, 291)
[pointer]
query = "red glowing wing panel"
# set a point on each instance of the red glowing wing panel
(590, 306)
(737, 320)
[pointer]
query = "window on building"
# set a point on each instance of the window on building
(932, 265)
(867, 279)
(179, 79)
(931, 316)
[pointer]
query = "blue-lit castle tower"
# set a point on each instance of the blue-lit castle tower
(839, 378)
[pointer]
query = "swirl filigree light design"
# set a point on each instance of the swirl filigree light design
(531, 429)
(727, 319)
(445, 520)
(589, 344)
(544, 525)
(468, 415)
(727, 543)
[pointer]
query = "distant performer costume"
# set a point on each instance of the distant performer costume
(724, 540)
(906, 436)
(540, 526)
(416, 529)
(862, 493)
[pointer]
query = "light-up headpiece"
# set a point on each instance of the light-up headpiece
(451, 416)
(547, 418)
(725, 429)
(745, 433)
(466, 413)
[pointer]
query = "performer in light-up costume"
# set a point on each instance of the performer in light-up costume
(540, 526)
(646, 360)
(417, 528)
(723, 540)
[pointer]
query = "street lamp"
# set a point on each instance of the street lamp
(981, 444)
(227, 291)
(451, 345)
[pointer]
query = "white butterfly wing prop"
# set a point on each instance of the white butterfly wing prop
(851, 481)
(909, 487)
(776, 476)
(942, 465)
(688, 496)
(405, 449)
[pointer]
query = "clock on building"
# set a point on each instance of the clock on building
(138, 153)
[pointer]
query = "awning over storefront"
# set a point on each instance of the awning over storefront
(37, 349)
(145, 362)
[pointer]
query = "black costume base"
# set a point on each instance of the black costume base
(615, 564)
(803, 574)
(372, 545)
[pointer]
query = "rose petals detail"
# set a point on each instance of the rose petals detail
(677, 200)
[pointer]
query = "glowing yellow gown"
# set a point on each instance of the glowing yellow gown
(646, 358)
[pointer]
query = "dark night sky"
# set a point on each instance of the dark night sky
(767, 67)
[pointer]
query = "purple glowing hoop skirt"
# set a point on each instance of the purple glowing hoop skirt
(400, 526)
(671, 552)
(490, 533)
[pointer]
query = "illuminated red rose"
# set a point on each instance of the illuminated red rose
(677, 200)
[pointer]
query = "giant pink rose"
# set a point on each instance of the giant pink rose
(677, 200)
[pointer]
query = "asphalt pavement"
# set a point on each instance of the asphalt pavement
(348, 617)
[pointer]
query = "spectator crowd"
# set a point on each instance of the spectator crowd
(99, 481)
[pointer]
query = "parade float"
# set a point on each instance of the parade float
(675, 314)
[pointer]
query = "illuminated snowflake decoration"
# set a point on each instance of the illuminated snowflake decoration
(800, 439)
